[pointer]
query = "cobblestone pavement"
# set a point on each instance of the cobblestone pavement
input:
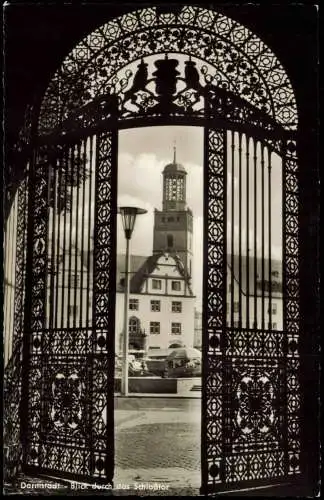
(157, 452)
(158, 445)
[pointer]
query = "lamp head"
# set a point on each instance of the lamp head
(128, 215)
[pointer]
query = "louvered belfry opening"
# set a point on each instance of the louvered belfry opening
(193, 67)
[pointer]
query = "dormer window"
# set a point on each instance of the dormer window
(176, 286)
(156, 284)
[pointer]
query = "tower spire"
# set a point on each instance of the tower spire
(174, 152)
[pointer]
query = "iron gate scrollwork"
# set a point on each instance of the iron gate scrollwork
(69, 429)
(230, 81)
(13, 354)
(251, 397)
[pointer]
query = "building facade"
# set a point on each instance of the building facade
(161, 304)
(254, 293)
(249, 305)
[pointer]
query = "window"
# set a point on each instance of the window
(155, 305)
(273, 309)
(73, 310)
(176, 328)
(275, 274)
(177, 307)
(236, 307)
(170, 219)
(133, 304)
(154, 327)
(156, 284)
(170, 240)
(133, 326)
(176, 285)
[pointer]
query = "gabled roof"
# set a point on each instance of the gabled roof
(140, 268)
(142, 265)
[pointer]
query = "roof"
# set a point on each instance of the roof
(244, 264)
(174, 168)
(140, 267)
(137, 263)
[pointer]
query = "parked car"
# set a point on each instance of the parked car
(183, 362)
(156, 366)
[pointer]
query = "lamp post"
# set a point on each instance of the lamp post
(128, 215)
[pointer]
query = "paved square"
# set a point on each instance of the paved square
(157, 441)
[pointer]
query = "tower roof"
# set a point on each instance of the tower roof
(174, 167)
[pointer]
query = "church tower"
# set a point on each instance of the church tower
(173, 225)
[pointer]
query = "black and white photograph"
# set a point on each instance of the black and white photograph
(161, 249)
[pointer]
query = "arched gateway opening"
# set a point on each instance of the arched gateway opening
(192, 67)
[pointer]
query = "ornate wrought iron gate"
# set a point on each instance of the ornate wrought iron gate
(251, 396)
(250, 429)
(68, 424)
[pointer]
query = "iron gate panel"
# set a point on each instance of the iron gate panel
(251, 398)
(69, 427)
(13, 347)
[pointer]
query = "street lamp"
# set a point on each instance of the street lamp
(128, 215)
